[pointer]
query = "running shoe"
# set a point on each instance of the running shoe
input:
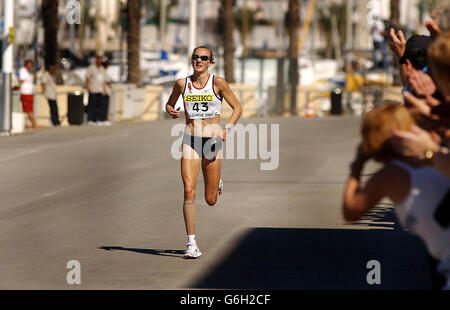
(192, 251)
(220, 186)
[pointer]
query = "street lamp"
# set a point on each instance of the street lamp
(7, 66)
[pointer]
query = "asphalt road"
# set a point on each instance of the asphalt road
(111, 198)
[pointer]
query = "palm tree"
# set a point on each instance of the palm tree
(154, 6)
(425, 6)
(133, 40)
(226, 20)
(326, 13)
(395, 14)
(51, 50)
(245, 20)
(394, 22)
(293, 25)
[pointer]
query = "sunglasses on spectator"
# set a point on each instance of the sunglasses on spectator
(195, 57)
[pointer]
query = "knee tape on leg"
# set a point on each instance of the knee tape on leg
(188, 202)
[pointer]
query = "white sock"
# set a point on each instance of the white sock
(191, 239)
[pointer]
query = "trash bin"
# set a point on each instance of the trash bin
(336, 101)
(75, 108)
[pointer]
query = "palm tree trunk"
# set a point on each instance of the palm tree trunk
(293, 22)
(394, 22)
(81, 31)
(133, 40)
(228, 43)
(395, 14)
(51, 49)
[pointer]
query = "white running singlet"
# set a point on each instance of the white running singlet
(201, 103)
(425, 212)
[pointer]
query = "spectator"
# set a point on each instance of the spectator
(26, 91)
(96, 87)
(415, 143)
(378, 35)
(419, 191)
(105, 98)
(416, 52)
(49, 90)
(432, 98)
(416, 162)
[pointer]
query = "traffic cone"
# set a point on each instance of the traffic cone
(309, 110)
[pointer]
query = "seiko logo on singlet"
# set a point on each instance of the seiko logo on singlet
(199, 98)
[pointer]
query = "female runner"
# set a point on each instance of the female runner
(202, 97)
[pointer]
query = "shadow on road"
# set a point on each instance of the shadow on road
(173, 253)
(382, 216)
(317, 259)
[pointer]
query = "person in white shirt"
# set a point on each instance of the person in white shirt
(96, 86)
(26, 91)
(49, 90)
(379, 44)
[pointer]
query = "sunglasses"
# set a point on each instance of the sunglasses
(195, 57)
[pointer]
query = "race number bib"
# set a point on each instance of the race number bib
(198, 106)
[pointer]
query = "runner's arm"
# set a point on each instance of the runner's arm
(177, 90)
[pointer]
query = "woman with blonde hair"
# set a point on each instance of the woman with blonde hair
(421, 193)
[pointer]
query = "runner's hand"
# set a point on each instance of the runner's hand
(175, 113)
(217, 136)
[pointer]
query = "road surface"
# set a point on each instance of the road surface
(111, 199)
